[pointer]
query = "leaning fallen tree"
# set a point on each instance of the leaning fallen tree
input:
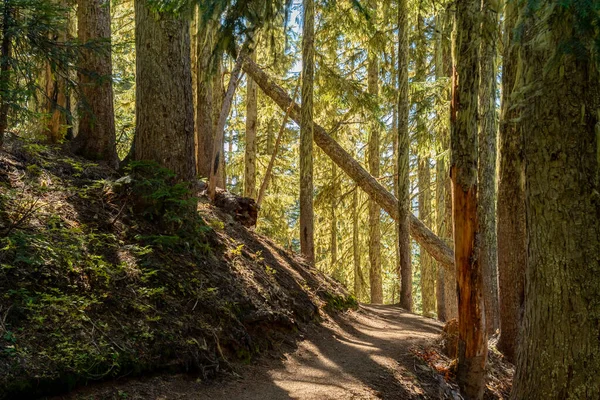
(435, 246)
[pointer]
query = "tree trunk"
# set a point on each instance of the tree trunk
(398, 266)
(164, 109)
(218, 155)
(251, 127)
(488, 256)
(356, 246)
(512, 241)
(219, 93)
(423, 169)
(386, 200)
(307, 244)
(270, 142)
(559, 352)
(447, 303)
(205, 102)
(374, 161)
(96, 139)
(333, 198)
(428, 307)
(472, 336)
(401, 207)
(55, 90)
(5, 70)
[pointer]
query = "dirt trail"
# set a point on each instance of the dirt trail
(365, 354)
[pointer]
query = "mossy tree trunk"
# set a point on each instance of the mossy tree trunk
(447, 302)
(251, 128)
(374, 159)
(218, 90)
(358, 277)
(164, 109)
(511, 227)
(488, 256)
(403, 152)
(55, 87)
(333, 199)
(96, 138)
(423, 168)
(206, 75)
(559, 351)
(472, 335)
(307, 244)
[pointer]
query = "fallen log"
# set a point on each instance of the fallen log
(435, 246)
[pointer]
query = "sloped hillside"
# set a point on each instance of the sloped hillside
(105, 274)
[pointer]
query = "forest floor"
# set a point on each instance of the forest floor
(376, 352)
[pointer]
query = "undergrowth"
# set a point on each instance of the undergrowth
(104, 275)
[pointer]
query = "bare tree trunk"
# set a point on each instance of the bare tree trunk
(559, 351)
(96, 139)
(488, 128)
(251, 127)
(164, 109)
(402, 205)
(218, 157)
(374, 161)
(421, 233)
(472, 335)
(512, 240)
(306, 133)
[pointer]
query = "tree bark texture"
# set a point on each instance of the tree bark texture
(559, 352)
(511, 227)
(307, 216)
(447, 302)
(251, 128)
(96, 139)
(205, 104)
(375, 278)
(401, 207)
(358, 275)
(427, 266)
(335, 270)
(423, 169)
(421, 233)
(488, 127)
(219, 94)
(472, 335)
(55, 91)
(164, 108)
